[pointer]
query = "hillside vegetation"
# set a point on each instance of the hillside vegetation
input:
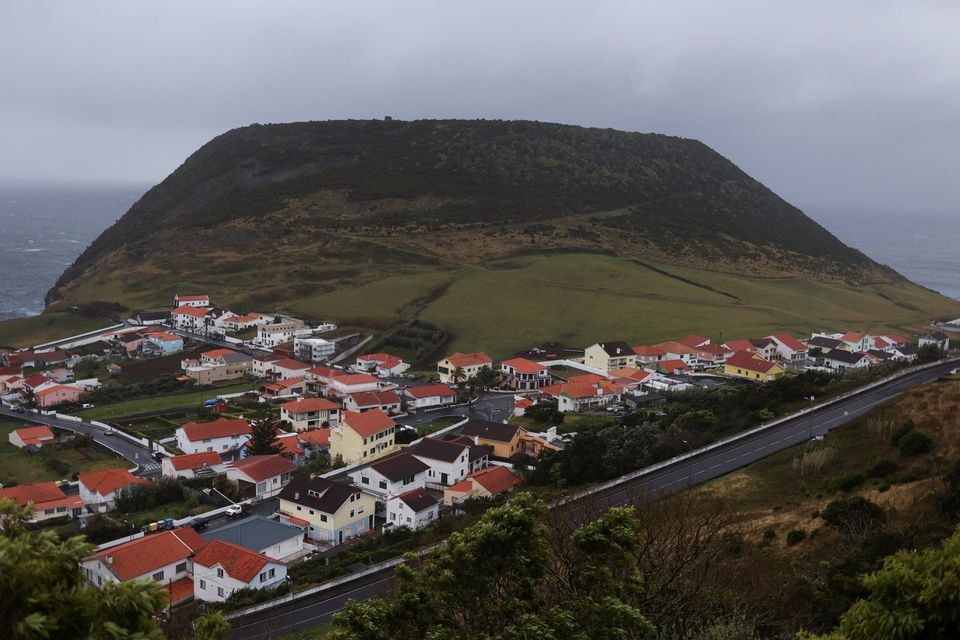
(372, 222)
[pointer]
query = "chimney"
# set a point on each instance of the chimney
(108, 560)
(296, 495)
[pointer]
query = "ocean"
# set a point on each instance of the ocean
(42, 231)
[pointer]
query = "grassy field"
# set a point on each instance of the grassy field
(155, 403)
(23, 468)
(26, 332)
(510, 305)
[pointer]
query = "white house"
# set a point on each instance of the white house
(187, 318)
(347, 384)
(521, 374)
(260, 476)
(313, 349)
(414, 509)
(192, 465)
(789, 349)
(431, 395)
(221, 435)
(382, 364)
(163, 557)
(448, 462)
(98, 489)
(387, 401)
(191, 301)
(271, 538)
(843, 359)
(392, 476)
(938, 339)
(279, 331)
(310, 413)
(221, 568)
(460, 367)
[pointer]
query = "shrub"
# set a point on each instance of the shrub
(880, 468)
(901, 431)
(847, 482)
(795, 536)
(914, 443)
(769, 535)
(855, 515)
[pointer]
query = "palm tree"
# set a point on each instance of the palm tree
(458, 375)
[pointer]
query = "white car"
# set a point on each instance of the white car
(234, 510)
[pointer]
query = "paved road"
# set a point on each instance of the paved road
(495, 407)
(135, 453)
(700, 467)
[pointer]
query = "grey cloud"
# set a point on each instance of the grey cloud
(845, 104)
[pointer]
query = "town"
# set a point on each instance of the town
(282, 440)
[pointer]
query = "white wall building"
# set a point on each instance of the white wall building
(221, 568)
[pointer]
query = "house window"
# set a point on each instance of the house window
(181, 567)
(261, 487)
(360, 510)
(220, 591)
(263, 576)
(393, 516)
(272, 573)
(352, 513)
(408, 479)
(61, 509)
(323, 518)
(219, 572)
(298, 508)
(158, 576)
(383, 484)
(203, 585)
(365, 480)
(209, 448)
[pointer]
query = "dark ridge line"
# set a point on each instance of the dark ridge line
(692, 283)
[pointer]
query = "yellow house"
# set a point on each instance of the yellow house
(466, 364)
(744, 364)
(609, 356)
(330, 511)
(363, 437)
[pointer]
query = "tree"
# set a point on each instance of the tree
(914, 596)
(263, 435)
(501, 579)
(45, 595)
(211, 626)
(458, 375)
(855, 516)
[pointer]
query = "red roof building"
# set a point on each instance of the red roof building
(368, 423)
(31, 436)
(162, 557)
(316, 437)
(49, 501)
(97, 488)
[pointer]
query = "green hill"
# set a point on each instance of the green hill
(370, 222)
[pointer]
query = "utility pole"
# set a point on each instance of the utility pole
(810, 434)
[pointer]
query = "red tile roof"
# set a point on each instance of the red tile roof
(382, 359)
(260, 468)
(672, 346)
(195, 460)
(648, 351)
(197, 312)
(430, 390)
(523, 403)
(522, 365)
(789, 341)
(288, 363)
(326, 372)
(217, 353)
(108, 480)
(36, 493)
(163, 335)
(464, 486)
(223, 427)
(630, 373)
(35, 435)
(880, 343)
(369, 422)
(672, 366)
(572, 390)
(308, 405)
(740, 345)
(591, 378)
(356, 378)
(36, 380)
(146, 555)
(179, 590)
(290, 443)
(374, 398)
(319, 437)
(495, 479)
(198, 298)
(240, 563)
(57, 388)
(469, 359)
(750, 362)
(693, 341)
(852, 336)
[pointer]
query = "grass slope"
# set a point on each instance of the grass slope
(26, 332)
(506, 306)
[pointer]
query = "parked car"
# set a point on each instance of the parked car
(234, 510)
(198, 524)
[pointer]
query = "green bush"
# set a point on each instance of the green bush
(880, 468)
(914, 443)
(847, 482)
(795, 536)
(901, 431)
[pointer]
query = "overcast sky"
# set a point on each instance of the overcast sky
(831, 104)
